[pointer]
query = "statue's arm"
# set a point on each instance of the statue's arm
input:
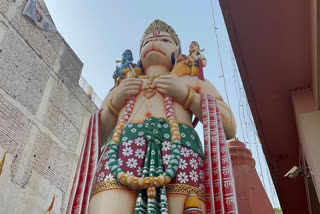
(176, 87)
(228, 120)
(204, 61)
(118, 97)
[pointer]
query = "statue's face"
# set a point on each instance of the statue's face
(194, 47)
(157, 51)
(126, 56)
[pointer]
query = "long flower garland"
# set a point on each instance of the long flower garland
(150, 182)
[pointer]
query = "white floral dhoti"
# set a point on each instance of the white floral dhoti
(132, 157)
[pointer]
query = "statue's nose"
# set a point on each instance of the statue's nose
(154, 41)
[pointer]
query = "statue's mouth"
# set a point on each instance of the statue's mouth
(152, 49)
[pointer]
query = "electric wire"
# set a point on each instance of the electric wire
(226, 92)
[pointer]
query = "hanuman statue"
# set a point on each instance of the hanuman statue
(142, 154)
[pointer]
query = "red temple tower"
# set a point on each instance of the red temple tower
(251, 196)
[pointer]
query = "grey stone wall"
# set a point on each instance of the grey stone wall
(14, 131)
(23, 74)
(43, 114)
(4, 5)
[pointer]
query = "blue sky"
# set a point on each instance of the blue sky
(99, 31)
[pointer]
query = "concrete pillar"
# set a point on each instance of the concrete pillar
(251, 196)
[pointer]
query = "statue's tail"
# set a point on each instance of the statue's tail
(80, 192)
(219, 181)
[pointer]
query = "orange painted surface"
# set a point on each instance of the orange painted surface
(148, 114)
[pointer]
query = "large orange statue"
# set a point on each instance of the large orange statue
(152, 158)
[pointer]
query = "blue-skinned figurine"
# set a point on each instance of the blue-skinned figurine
(125, 66)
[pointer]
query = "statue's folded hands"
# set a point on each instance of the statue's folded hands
(127, 88)
(172, 86)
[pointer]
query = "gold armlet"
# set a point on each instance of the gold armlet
(189, 98)
(112, 109)
(219, 98)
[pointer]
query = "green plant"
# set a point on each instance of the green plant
(278, 211)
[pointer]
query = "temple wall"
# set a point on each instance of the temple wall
(43, 114)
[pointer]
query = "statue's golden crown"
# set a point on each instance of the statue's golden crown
(160, 26)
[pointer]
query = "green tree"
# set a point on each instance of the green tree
(278, 211)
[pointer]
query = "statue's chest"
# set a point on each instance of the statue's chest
(149, 88)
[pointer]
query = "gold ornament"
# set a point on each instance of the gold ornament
(149, 89)
(2, 161)
(189, 98)
(158, 26)
(151, 192)
(51, 204)
(111, 108)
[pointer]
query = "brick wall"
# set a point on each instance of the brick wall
(43, 114)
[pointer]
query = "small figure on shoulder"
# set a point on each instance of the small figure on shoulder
(126, 69)
(192, 64)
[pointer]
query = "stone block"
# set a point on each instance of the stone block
(9, 191)
(70, 68)
(84, 99)
(45, 44)
(61, 127)
(51, 162)
(14, 131)
(4, 5)
(34, 198)
(22, 73)
(67, 103)
(3, 30)
(42, 142)
(37, 196)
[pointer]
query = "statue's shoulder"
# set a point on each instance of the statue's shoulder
(206, 83)
(208, 87)
(202, 57)
(191, 80)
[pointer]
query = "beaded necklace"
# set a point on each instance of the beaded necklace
(151, 182)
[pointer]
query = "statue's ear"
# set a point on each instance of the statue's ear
(173, 58)
(139, 63)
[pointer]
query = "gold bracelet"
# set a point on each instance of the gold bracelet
(189, 99)
(111, 108)
(219, 98)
